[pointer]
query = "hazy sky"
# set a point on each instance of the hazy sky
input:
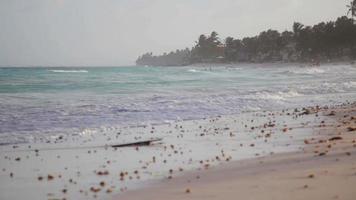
(115, 32)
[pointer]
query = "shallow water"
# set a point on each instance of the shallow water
(43, 102)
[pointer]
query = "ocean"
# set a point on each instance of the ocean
(40, 102)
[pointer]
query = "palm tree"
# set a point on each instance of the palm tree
(214, 37)
(297, 28)
(352, 9)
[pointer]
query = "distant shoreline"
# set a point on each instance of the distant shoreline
(318, 43)
(212, 64)
(224, 64)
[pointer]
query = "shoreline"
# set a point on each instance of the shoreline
(198, 147)
(300, 64)
(314, 172)
(282, 63)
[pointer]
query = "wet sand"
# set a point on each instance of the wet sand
(324, 169)
(295, 153)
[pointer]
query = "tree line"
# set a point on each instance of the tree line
(333, 40)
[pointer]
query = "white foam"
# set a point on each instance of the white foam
(309, 70)
(279, 96)
(68, 71)
(192, 70)
(350, 84)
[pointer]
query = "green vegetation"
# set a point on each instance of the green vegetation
(334, 40)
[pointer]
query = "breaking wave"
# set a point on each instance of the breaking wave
(68, 71)
(309, 71)
(279, 96)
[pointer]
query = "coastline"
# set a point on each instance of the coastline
(261, 64)
(218, 150)
(324, 169)
(279, 63)
(125, 100)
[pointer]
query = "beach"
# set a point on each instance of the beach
(307, 152)
(192, 100)
(64, 131)
(289, 176)
(324, 169)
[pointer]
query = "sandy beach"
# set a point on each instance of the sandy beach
(285, 176)
(324, 169)
(296, 153)
(168, 100)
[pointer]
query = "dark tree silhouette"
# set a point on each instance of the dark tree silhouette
(325, 41)
(352, 9)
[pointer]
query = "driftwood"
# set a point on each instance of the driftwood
(134, 144)
(335, 138)
(139, 143)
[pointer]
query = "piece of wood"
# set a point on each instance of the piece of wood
(139, 143)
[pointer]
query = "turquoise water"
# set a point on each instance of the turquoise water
(39, 102)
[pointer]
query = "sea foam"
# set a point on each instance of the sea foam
(68, 71)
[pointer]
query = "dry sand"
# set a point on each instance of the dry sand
(324, 169)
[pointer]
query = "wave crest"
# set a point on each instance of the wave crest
(68, 71)
(279, 96)
(192, 70)
(309, 70)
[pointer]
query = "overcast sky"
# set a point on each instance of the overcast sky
(115, 32)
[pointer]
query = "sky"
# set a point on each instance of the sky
(116, 32)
